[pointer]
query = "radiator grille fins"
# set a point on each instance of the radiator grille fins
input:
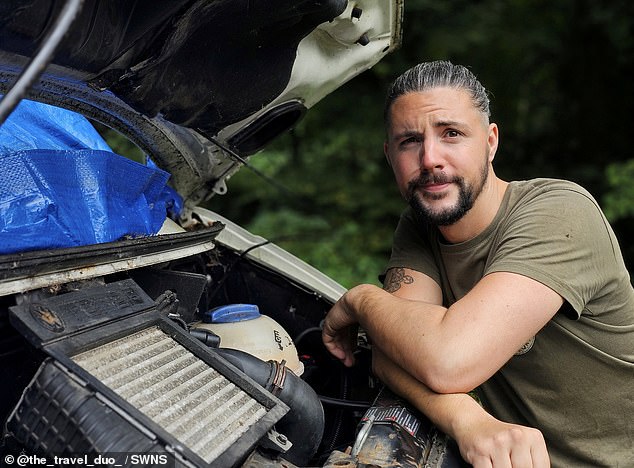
(175, 389)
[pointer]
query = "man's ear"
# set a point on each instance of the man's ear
(493, 140)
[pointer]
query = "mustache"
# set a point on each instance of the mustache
(427, 178)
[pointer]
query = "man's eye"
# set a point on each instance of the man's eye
(452, 133)
(409, 141)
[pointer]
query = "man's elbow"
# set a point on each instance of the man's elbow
(448, 376)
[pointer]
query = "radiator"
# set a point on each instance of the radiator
(182, 394)
(122, 378)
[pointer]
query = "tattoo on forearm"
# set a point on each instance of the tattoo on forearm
(395, 278)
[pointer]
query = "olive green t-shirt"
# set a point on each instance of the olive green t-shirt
(575, 379)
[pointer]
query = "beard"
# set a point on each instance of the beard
(467, 195)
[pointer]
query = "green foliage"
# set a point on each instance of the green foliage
(559, 74)
(120, 144)
(331, 249)
(618, 203)
(340, 207)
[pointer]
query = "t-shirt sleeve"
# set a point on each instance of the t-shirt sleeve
(561, 239)
(411, 248)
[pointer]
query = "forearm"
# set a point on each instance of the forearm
(451, 350)
(446, 411)
(408, 332)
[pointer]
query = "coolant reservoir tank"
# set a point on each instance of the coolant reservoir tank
(243, 327)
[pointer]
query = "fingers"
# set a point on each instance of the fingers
(340, 343)
(530, 450)
(539, 452)
(482, 462)
(339, 334)
(521, 457)
(516, 459)
(503, 445)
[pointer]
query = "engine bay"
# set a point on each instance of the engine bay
(175, 292)
(114, 342)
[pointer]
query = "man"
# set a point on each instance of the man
(515, 289)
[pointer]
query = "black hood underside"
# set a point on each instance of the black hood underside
(201, 64)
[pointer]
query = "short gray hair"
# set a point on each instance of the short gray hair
(441, 73)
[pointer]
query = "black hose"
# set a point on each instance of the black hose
(301, 336)
(352, 404)
(304, 423)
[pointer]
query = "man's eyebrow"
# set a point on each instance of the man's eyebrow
(406, 134)
(449, 123)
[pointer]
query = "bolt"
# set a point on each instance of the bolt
(364, 40)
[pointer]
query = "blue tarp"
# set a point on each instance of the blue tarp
(62, 186)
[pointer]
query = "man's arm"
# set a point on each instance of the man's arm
(482, 439)
(449, 350)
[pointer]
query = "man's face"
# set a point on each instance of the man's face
(440, 148)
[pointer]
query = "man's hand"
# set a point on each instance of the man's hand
(340, 328)
(490, 443)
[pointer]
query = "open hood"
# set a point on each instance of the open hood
(199, 85)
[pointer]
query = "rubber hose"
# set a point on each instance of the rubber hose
(304, 423)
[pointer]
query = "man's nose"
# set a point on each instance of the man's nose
(431, 156)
